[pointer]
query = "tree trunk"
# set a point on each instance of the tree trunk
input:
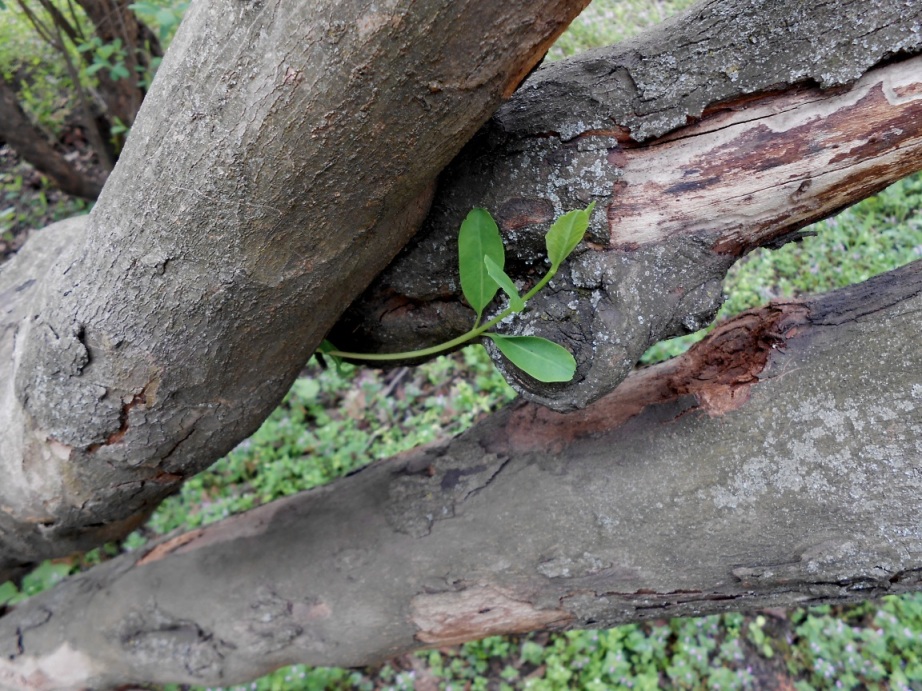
(284, 155)
(30, 143)
(776, 463)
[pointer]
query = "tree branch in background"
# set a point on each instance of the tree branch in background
(114, 21)
(29, 142)
(54, 35)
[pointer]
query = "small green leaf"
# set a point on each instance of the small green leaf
(542, 359)
(479, 237)
(565, 234)
(504, 282)
(119, 71)
(9, 593)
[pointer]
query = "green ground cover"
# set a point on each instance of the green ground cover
(331, 423)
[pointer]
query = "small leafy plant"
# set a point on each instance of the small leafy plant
(481, 258)
(106, 56)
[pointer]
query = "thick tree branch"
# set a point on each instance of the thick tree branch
(776, 463)
(782, 133)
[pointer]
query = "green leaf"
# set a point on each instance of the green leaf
(504, 282)
(542, 359)
(565, 234)
(9, 593)
(479, 238)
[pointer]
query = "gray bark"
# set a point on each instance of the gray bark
(779, 462)
(283, 156)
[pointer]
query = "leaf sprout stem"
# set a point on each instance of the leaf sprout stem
(447, 345)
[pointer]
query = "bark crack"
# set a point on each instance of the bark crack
(434, 486)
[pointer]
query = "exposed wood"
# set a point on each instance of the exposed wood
(652, 502)
(752, 172)
(674, 212)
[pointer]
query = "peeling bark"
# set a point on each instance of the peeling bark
(695, 151)
(653, 502)
(457, 617)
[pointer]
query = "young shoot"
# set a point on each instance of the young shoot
(481, 258)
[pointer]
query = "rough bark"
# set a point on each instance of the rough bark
(777, 463)
(282, 158)
(727, 128)
(29, 142)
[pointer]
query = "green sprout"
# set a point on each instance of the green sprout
(481, 258)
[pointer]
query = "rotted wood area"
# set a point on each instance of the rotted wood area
(777, 463)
